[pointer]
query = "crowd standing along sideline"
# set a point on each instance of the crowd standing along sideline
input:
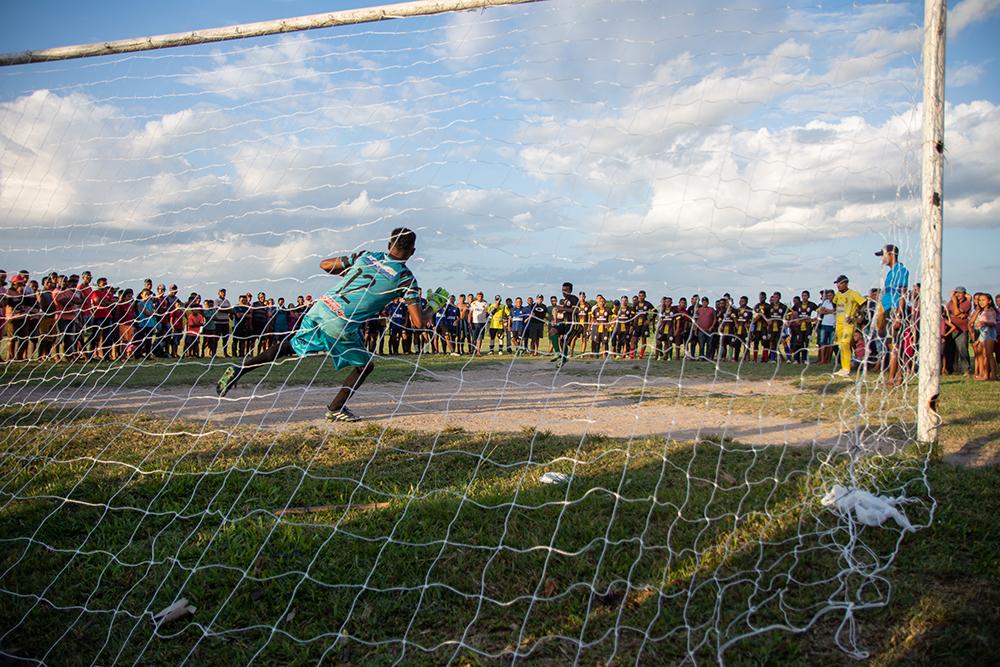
(60, 318)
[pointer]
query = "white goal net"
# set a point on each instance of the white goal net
(688, 482)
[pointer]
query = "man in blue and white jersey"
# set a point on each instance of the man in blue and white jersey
(368, 281)
(399, 319)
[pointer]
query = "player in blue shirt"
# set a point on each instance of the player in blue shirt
(897, 280)
(451, 316)
(440, 337)
(519, 323)
(892, 308)
(399, 316)
(368, 281)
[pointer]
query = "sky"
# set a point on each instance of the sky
(672, 147)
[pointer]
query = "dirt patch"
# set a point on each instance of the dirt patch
(517, 397)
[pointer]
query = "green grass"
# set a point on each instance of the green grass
(115, 514)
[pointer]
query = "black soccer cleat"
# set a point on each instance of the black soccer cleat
(226, 382)
(341, 415)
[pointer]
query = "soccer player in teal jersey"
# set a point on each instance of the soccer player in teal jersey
(368, 281)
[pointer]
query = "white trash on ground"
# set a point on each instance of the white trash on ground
(177, 610)
(869, 509)
(554, 478)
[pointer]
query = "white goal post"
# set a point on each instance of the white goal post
(931, 218)
(258, 29)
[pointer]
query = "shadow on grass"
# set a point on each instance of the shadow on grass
(427, 546)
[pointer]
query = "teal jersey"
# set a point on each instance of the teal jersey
(370, 281)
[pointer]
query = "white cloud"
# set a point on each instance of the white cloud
(965, 75)
(259, 71)
(966, 13)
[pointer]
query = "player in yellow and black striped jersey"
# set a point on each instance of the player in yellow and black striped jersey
(741, 339)
(665, 330)
(726, 323)
(581, 330)
(682, 326)
(777, 323)
(644, 313)
(601, 323)
(564, 313)
(760, 334)
(621, 335)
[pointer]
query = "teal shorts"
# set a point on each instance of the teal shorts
(339, 339)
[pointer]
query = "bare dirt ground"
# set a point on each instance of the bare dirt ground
(529, 396)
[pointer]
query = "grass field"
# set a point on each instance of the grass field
(441, 537)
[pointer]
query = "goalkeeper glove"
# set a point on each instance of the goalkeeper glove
(437, 298)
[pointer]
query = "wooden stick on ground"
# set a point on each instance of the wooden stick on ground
(313, 509)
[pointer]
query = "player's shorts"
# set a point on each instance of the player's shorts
(844, 334)
(338, 338)
(640, 331)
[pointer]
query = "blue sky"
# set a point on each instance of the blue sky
(679, 147)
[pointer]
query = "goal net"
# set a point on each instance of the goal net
(689, 484)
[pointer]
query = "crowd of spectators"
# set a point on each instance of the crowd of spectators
(60, 318)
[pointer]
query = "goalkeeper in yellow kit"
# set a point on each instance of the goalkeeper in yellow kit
(846, 302)
(368, 281)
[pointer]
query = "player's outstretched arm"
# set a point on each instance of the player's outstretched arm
(337, 265)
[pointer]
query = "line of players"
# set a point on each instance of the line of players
(623, 327)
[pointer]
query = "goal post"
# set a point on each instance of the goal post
(931, 218)
(259, 29)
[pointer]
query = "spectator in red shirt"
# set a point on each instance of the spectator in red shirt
(705, 320)
(194, 320)
(124, 317)
(68, 300)
(88, 337)
(174, 328)
(103, 332)
(956, 351)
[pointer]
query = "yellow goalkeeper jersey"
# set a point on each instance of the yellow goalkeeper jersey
(847, 304)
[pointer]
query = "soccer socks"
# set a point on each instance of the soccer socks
(272, 353)
(351, 385)
(556, 347)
